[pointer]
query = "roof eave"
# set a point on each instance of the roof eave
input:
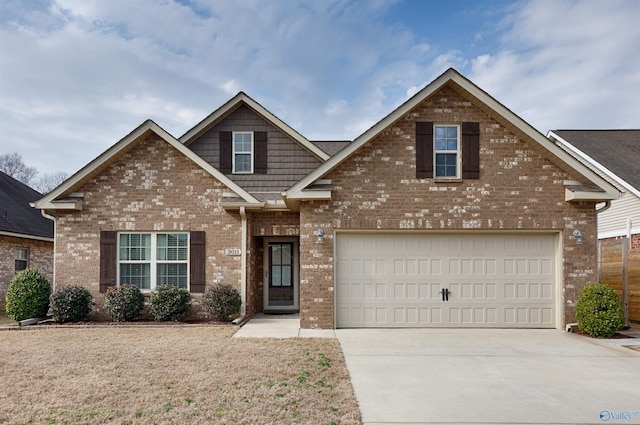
(27, 236)
(52, 201)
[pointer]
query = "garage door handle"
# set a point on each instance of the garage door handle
(445, 294)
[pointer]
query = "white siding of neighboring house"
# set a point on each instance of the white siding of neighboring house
(613, 222)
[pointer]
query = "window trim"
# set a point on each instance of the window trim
(153, 261)
(16, 259)
(458, 152)
(251, 152)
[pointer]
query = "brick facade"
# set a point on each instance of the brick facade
(40, 257)
(376, 188)
(151, 188)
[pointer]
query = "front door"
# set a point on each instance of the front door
(281, 273)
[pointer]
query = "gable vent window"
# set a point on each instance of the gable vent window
(243, 152)
(448, 151)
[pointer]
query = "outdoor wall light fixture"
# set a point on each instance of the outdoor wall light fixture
(319, 235)
(579, 238)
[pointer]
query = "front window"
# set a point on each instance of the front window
(21, 259)
(446, 151)
(147, 260)
(242, 152)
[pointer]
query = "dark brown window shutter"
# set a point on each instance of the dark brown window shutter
(108, 259)
(260, 148)
(226, 152)
(470, 150)
(424, 150)
(197, 262)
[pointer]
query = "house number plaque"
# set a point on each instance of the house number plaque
(232, 251)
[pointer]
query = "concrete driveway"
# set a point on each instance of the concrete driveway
(493, 376)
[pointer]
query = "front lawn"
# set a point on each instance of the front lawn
(171, 375)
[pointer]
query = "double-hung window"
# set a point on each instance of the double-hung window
(148, 260)
(447, 151)
(21, 259)
(243, 152)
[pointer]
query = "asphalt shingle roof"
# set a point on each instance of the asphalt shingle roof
(618, 150)
(16, 215)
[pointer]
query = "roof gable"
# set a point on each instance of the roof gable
(242, 99)
(16, 215)
(63, 197)
(612, 153)
(483, 100)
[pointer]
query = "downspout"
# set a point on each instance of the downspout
(243, 271)
(52, 218)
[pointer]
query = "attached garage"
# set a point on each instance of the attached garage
(446, 280)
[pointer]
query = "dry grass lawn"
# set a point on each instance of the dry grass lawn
(170, 375)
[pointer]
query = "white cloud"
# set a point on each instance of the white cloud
(563, 61)
(77, 75)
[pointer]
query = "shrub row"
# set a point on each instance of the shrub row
(170, 303)
(29, 296)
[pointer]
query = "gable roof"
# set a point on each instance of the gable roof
(614, 154)
(243, 99)
(63, 197)
(305, 188)
(17, 218)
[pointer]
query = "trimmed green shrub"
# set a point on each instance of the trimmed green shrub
(221, 301)
(124, 303)
(71, 304)
(599, 311)
(170, 303)
(28, 295)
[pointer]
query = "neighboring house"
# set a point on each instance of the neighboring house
(450, 211)
(26, 237)
(615, 156)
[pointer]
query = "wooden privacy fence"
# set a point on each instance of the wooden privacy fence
(619, 267)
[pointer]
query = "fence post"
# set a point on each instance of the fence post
(625, 278)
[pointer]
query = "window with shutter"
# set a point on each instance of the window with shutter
(226, 152)
(148, 260)
(108, 259)
(470, 150)
(448, 151)
(424, 150)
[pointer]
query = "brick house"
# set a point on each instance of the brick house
(26, 237)
(450, 211)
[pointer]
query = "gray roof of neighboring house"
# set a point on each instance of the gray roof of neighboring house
(16, 215)
(617, 150)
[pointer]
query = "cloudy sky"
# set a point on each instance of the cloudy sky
(78, 75)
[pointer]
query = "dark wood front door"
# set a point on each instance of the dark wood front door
(281, 274)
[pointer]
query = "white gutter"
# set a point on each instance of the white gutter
(606, 206)
(243, 270)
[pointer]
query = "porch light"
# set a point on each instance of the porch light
(319, 235)
(579, 238)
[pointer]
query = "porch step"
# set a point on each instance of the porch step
(276, 311)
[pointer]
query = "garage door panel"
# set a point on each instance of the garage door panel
(389, 280)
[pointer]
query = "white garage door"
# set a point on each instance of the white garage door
(445, 280)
